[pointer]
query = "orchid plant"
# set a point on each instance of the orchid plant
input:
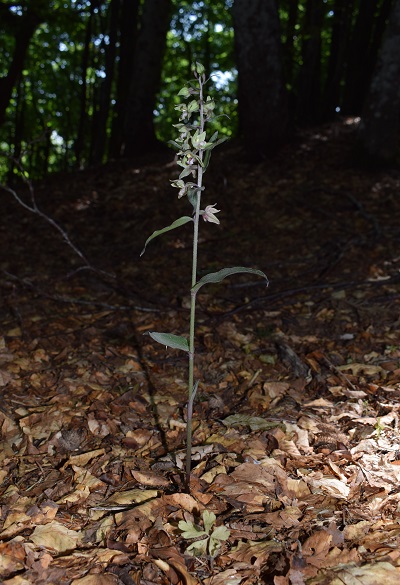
(193, 156)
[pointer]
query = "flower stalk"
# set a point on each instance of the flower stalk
(194, 150)
(191, 386)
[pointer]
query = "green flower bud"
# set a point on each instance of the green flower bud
(193, 106)
(198, 68)
(199, 140)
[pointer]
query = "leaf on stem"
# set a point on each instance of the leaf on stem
(212, 143)
(214, 277)
(177, 223)
(170, 340)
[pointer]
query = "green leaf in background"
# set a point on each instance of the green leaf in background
(175, 224)
(221, 274)
(170, 340)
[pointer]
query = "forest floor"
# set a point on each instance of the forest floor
(296, 441)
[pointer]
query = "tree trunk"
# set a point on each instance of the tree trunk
(359, 70)
(288, 45)
(380, 124)
(128, 26)
(25, 27)
(83, 115)
(341, 23)
(100, 118)
(145, 78)
(308, 104)
(262, 96)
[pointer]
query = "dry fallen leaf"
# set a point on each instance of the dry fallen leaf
(56, 536)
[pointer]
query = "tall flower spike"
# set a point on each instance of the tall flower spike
(209, 214)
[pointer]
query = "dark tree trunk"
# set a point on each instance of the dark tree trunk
(208, 16)
(18, 130)
(308, 104)
(262, 96)
(341, 24)
(100, 119)
(128, 27)
(379, 29)
(288, 45)
(24, 28)
(380, 124)
(359, 67)
(83, 115)
(145, 78)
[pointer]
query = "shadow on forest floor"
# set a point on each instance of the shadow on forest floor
(297, 446)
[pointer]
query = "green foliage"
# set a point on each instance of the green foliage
(219, 276)
(45, 109)
(51, 120)
(170, 340)
(209, 541)
(175, 224)
(200, 31)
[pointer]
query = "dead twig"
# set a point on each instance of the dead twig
(34, 209)
(305, 289)
(69, 300)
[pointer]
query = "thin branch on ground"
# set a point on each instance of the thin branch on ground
(33, 208)
(68, 300)
(304, 289)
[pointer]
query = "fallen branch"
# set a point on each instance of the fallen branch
(68, 300)
(304, 289)
(34, 209)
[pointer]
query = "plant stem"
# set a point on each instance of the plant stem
(191, 386)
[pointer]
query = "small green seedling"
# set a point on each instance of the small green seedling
(379, 427)
(194, 151)
(208, 541)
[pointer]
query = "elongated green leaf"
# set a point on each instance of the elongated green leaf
(170, 340)
(177, 223)
(221, 274)
(174, 144)
(212, 145)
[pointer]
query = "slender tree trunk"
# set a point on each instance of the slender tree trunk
(380, 23)
(17, 133)
(100, 119)
(262, 97)
(358, 71)
(208, 16)
(128, 26)
(288, 45)
(341, 23)
(83, 116)
(25, 28)
(139, 130)
(308, 104)
(380, 123)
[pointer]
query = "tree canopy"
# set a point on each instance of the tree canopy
(82, 82)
